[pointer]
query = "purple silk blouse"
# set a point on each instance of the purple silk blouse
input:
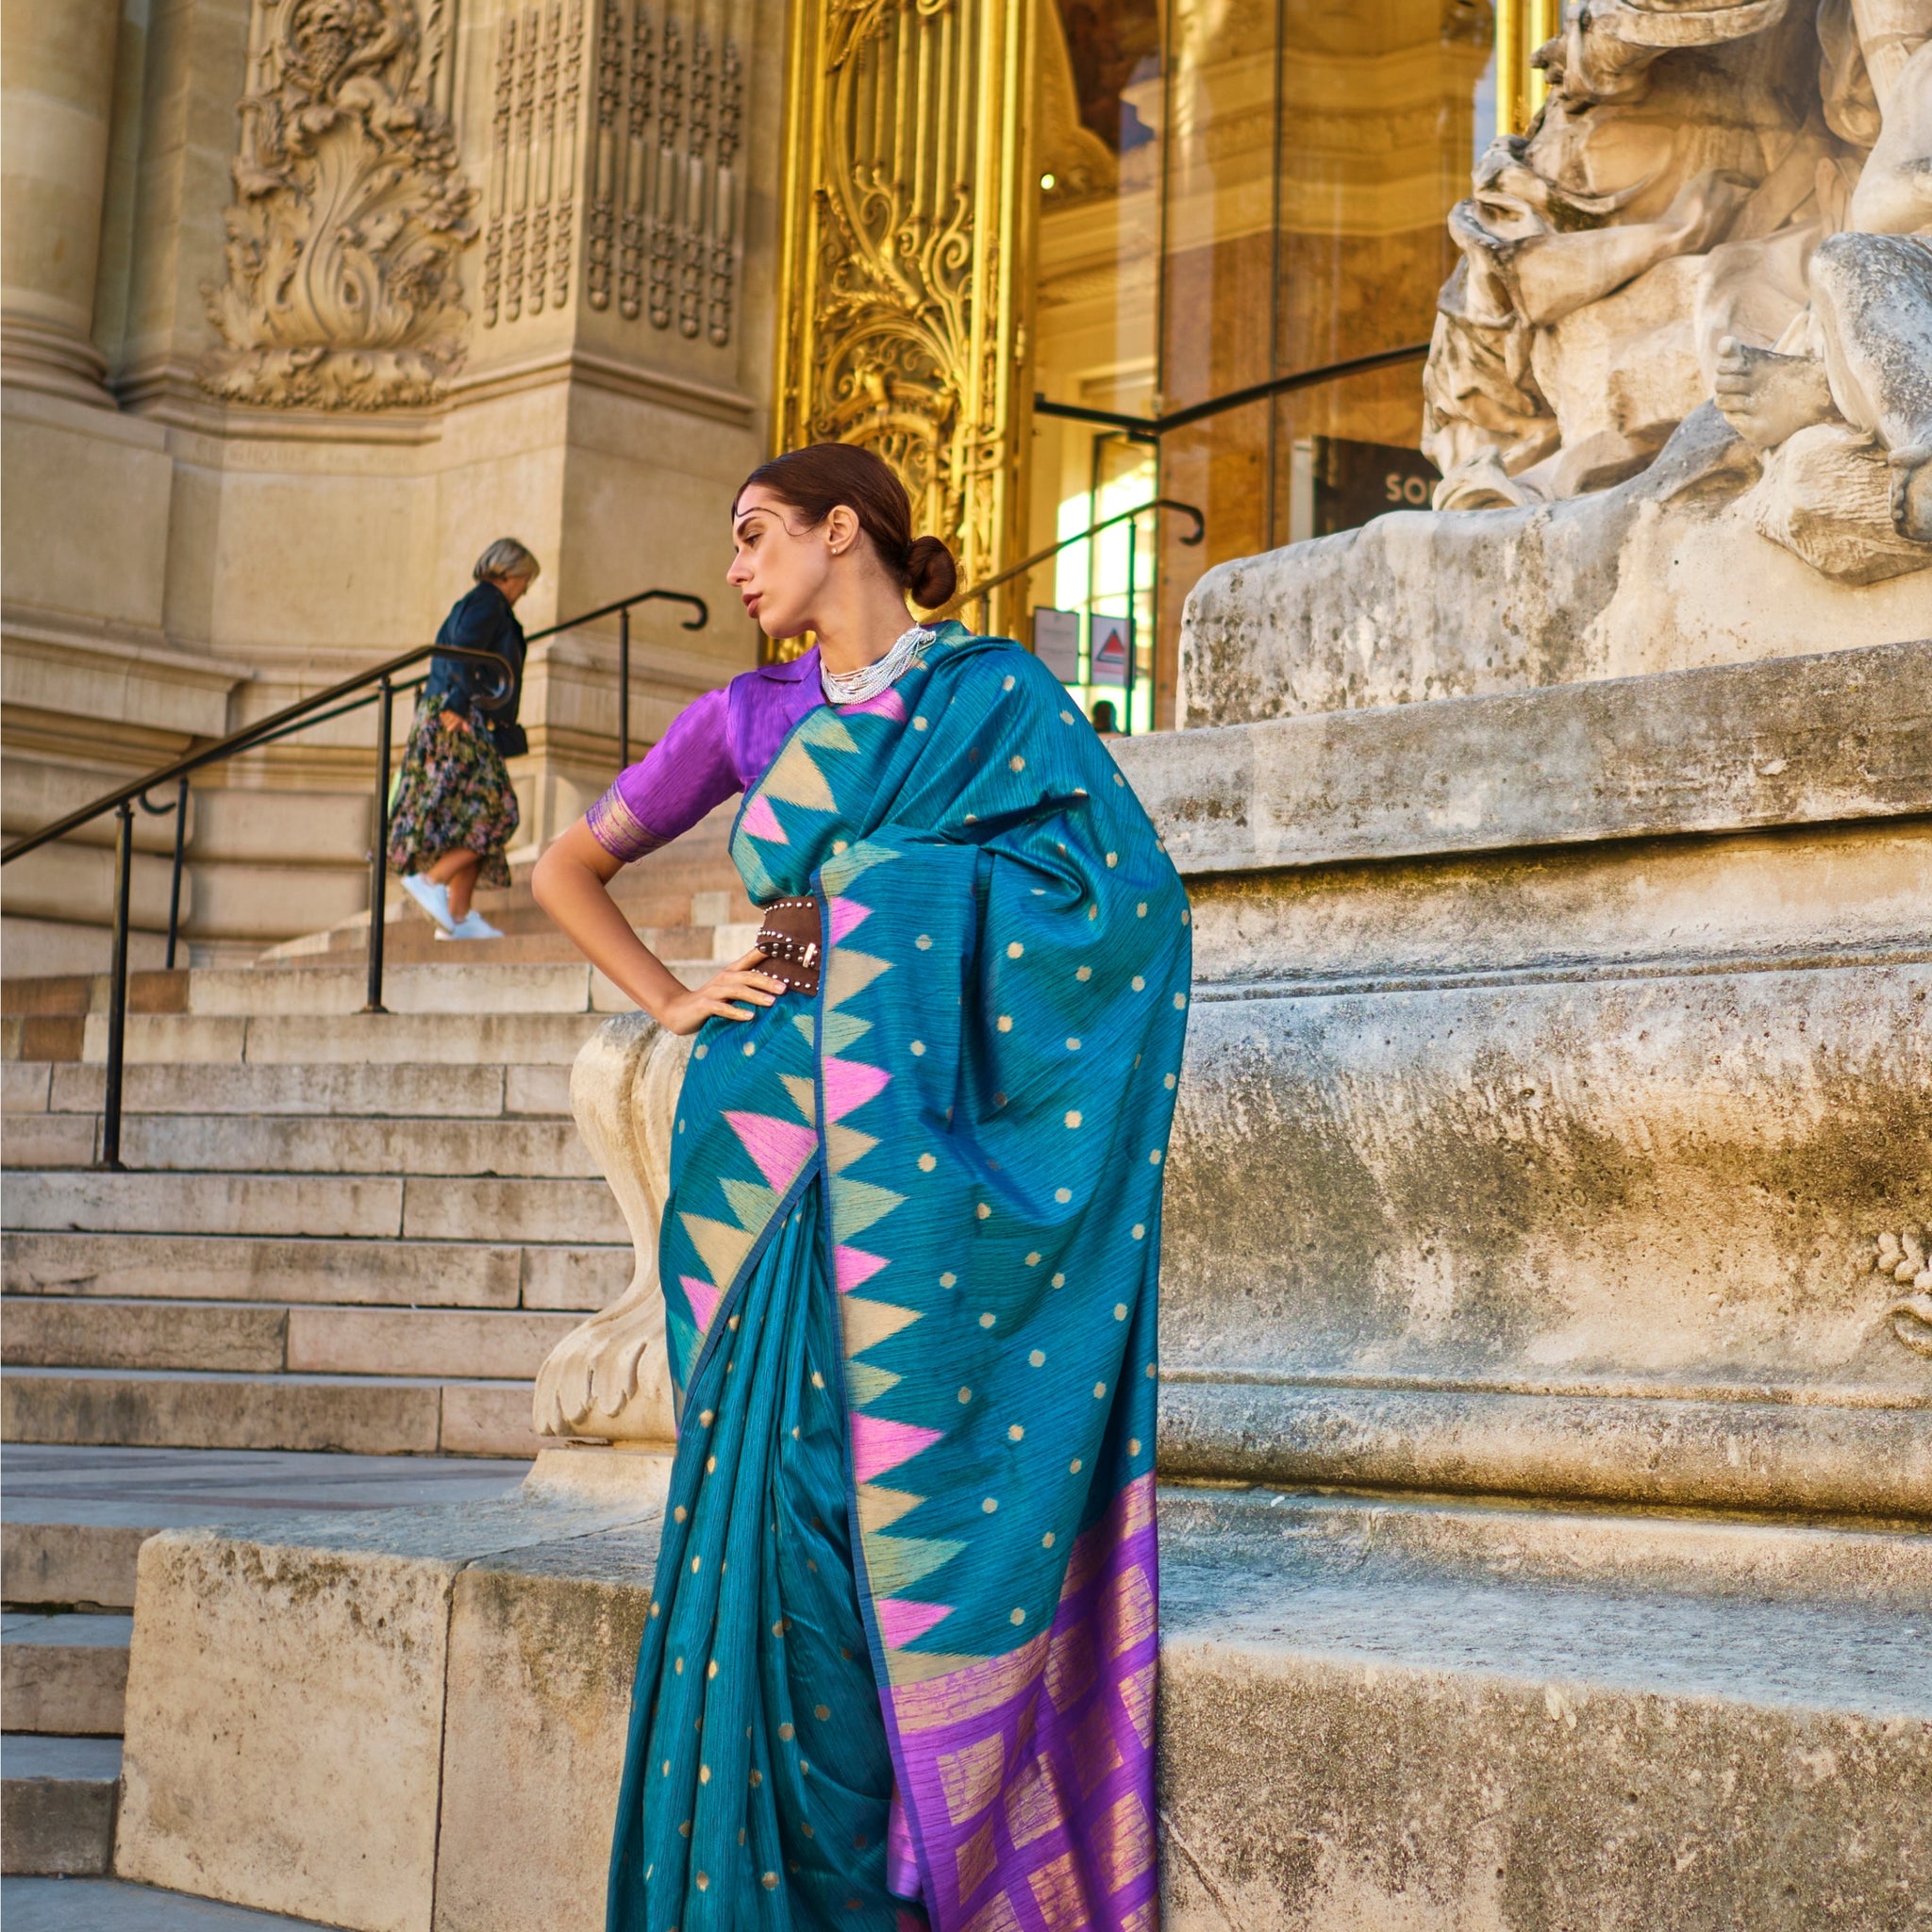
(723, 742)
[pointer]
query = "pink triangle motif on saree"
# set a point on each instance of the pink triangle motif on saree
(781, 1148)
(879, 1445)
(855, 1266)
(762, 822)
(889, 703)
(846, 913)
(902, 1622)
(850, 1084)
(703, 1297)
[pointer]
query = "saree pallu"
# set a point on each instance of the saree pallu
(909, 1260)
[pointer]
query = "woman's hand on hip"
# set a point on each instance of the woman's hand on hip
(685, 1011)
(454, 720)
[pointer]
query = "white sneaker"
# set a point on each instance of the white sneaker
(433, 898)
(472, 925)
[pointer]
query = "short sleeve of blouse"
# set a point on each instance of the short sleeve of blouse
(688, 773)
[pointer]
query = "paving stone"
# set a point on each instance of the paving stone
(64, 1673)
(107, 1904)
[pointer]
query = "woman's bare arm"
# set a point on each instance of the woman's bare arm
(572, 882)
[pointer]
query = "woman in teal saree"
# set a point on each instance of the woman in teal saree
(898, 1668)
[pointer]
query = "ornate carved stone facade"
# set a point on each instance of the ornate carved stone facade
(909, 228)
(350, 211)
(665, 193)
(533, 159)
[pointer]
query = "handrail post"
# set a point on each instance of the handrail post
(117, 991)
(175, 883)
(379, 857)
(1133, 629)
(624, 687)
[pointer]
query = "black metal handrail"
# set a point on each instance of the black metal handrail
(981, 592)
(338, 700)
(1152, 428)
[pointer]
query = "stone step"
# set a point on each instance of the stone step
(108, 1905)
(364, 1415)
(308, 1143)
(468, 1344)
(64, 1675)
(1680, 1721)
(57, 1804)
(434, 1208)
(348, 1038)
(76, 1517)
(474, 1274)
(398, 1091)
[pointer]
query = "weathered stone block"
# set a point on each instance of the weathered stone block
(306, 1702)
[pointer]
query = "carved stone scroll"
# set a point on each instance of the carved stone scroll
(533, 160)
(663, 191)
(343, 287)
(610, 1377)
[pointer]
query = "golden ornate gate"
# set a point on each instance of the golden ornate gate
(906, 264)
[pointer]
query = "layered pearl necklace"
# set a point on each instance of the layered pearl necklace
(855, 686)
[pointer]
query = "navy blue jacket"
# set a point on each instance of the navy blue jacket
(483, 621)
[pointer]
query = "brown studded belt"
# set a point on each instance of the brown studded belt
(792, 942)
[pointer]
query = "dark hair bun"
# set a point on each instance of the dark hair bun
(930, 572)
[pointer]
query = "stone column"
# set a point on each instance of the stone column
(55, 114)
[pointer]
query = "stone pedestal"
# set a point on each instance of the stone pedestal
(398, 1721)
(1543, 1232)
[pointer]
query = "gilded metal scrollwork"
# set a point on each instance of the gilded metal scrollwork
(908, 229)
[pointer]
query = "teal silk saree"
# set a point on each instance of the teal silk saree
(899, 1663)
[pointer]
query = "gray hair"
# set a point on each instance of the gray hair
(506, 557)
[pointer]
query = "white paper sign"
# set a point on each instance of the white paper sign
(1056, 641)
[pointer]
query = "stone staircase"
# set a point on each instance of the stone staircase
(75, 1519)
(337, 1232)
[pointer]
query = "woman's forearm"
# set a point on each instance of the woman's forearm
(572, 887)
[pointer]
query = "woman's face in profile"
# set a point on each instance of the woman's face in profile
(779, 568)
(511, 588)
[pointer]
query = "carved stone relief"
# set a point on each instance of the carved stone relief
(665, 188)
(350, 211)
(533, 159)
(1722, 201)
(1902, 1257)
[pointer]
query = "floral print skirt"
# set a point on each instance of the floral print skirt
(453, 794)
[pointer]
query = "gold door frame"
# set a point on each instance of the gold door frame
(1522, 27)
(906, 264)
